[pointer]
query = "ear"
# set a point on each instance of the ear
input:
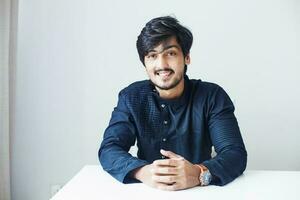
(187, 59)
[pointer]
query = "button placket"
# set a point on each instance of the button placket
(163, 144)
(165, 124)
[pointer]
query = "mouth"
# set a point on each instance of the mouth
(164, 73)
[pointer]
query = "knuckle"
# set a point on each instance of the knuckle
(173, 162)
(154, 178)
(169, 170)
(175, 171)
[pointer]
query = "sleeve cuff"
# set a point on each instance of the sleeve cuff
(218, 178)
(125, 177)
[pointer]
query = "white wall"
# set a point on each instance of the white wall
(74, 56)
(4, 99)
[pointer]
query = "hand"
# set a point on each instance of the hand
(174, 173)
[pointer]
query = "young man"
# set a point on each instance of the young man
(174, 120)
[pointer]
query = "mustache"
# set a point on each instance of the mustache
(164, 69)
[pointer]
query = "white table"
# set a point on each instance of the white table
(94, 183)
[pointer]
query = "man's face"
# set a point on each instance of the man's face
(165, 64)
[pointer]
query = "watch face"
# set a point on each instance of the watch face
(205, 178)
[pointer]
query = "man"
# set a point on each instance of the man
(174, 120)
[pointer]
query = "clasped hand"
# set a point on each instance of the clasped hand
(173, 173)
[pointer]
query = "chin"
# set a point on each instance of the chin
(166, 86)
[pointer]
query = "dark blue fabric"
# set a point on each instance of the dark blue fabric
(189, 126)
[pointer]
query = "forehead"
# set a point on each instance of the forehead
(166, 44)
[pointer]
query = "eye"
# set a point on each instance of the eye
(172, 53)
(151, 56)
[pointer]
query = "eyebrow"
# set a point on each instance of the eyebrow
(165, 48)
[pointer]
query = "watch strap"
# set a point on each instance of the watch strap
(205, 176)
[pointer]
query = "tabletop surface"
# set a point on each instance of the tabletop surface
(93, 183)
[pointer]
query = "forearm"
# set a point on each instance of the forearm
(227, 166)
(140, 173)
(231, 159)
(118, 162)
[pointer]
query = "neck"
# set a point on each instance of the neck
(172, 93)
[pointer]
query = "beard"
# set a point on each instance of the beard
(172, 85)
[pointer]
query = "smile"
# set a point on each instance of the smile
(164, 73)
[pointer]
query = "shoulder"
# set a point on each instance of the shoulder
(211, 94)
(203, 87)
(208, 91)
(137, 89)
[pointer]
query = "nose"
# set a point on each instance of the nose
(161, 62)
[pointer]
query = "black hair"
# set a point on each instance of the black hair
(160, 29)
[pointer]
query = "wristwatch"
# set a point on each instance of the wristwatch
(205, 176)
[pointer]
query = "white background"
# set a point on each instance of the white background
(74, 56)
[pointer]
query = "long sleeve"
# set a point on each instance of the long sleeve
(231, 159)
(117, 140)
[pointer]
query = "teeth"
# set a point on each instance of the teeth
(163, 73)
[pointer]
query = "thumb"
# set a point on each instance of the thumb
(170, 154)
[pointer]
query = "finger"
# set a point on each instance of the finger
(160, 185)
(169, 179)
(170, 154)
(167, 187)
(166, 162)
(166, 170)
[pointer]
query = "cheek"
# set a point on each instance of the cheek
(179, 66)
(149, 71)
(178, 62)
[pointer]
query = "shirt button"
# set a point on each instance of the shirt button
(164, 139)
(166, 122)
(163, 105)
(163, 157)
